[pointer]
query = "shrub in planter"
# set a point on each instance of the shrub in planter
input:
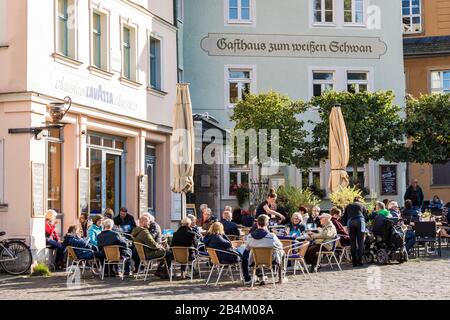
(291, 198)
(41, 270)
(344, 196)
(242, 194)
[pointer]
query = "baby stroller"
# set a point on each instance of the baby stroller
(389, 242)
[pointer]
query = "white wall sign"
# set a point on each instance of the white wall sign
(274, 45)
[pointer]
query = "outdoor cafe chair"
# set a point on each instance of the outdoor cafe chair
(201, 256)
(262, 258)
(296, 252)
(113, 257)
(146, 264)
(344, 251)
(329, 254)
(425, 234)
(75, 261)
(181, 257)
(216, 264)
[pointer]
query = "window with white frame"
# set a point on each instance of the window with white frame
(155, 64)
(357, 81)
(65, 28)
(412, 16)
(239, 11)
(323, 11)
(238, 178)
(440, 81)
(100, 51)
(322, 81)
(354, 11)
(129, 52)
(239, 84)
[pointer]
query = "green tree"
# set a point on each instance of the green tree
(374, 126)
(268, 111)
(428, 128)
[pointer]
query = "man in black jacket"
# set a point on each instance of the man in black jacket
(111, 238)
(415, 194)
(125, 221)
(355, 217)
(229, 227)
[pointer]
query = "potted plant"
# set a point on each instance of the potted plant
(242, 194)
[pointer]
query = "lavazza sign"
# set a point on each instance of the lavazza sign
(264, 45)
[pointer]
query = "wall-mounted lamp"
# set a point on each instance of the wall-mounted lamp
(57, 111)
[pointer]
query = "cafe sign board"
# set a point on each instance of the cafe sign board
(37, 189)
(388, 176)
(292, 46)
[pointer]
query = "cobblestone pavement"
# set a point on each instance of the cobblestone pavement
(425, 278)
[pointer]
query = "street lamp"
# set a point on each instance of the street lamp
(57, 111)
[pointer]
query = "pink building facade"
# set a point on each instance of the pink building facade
(117, 61)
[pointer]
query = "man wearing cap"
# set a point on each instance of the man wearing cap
(325, 233)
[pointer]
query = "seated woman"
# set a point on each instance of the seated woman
(409, 211)
(336, 214)
(84, 224)
(295, 227)
(52, 238)
(73, 239)
(95, 229)
(436, 203)
(216, 239)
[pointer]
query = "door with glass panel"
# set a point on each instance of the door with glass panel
(150, 170)
(105, 162)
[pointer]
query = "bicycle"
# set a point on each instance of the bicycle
(15, 256)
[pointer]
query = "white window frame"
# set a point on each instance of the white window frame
(251, 22)
(158, 37)
(353, 22)
(72, 33)
(105, 15)
(252, 81)
(411, 16)
(441, 89)
(357, 83)
(322, 82)
(340, 77)
(322, 22)
(134, 31)
(338, 16)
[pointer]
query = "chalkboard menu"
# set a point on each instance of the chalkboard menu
(143, 194)
(83, 191)
(388, 176)
(37, 189)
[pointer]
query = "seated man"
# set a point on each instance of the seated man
(262, 238)
(207, 219)
(153, 227)
(73, 239)
(109, 238)
(153, 250)
(125, 220)
(229, 226)
(326, 232)
(195, 227)
(184, 237)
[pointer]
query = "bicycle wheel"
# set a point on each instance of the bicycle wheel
(23, 260)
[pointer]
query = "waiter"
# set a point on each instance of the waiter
(267, 207)
(355, 217)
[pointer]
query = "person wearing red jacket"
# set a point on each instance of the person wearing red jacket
(52, 238)
(336, 219)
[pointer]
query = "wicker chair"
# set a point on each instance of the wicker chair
(113, 257)
(262, 258)
(220, 266)
(76, 261)
(296, 253)
(146, 264)
(181, 258)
